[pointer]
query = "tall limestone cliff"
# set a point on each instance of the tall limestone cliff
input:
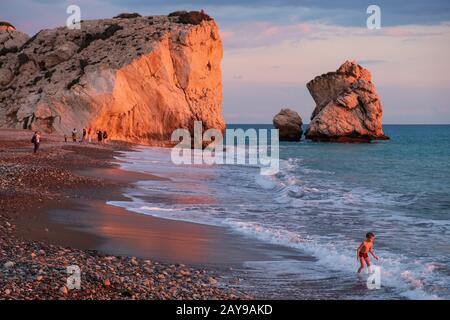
(137, 77)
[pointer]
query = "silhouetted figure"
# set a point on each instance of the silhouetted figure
(36, 141)
(74, 135)
(105, 137)
(99, 136)
(83, 139)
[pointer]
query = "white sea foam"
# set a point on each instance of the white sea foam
(158, 209)
(334, 256)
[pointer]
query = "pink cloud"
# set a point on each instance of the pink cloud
(272, 31)
(261, 34)
(226, 35)
(397, 32)
(304, 28)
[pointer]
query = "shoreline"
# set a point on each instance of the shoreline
(35, 251)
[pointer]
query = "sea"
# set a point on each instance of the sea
(321, 203)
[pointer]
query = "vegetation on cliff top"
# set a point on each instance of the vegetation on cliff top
(191, 17)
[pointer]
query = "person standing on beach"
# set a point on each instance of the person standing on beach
(105, 137)
(99, 136)
(74, 135)
(83, 139)
(89, 133)
(36, 141)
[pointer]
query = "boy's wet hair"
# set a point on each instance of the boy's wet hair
(369, 235)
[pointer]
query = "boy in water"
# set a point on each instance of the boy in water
(362, 254)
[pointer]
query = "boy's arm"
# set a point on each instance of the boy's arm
(373, 254)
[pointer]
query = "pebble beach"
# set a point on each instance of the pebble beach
(37, 269)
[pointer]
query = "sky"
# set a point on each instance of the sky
(272, 48)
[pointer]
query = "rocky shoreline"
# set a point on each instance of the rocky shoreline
(38, 270)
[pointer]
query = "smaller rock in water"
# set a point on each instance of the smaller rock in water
(290, 124)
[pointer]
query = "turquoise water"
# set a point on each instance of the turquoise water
(321, 203)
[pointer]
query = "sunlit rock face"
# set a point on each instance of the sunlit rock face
(139, 78)
(348, 108)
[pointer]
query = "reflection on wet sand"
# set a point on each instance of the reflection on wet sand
(127, 233)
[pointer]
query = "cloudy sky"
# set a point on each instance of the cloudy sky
(274, 47)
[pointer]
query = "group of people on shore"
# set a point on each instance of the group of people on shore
(88, 135)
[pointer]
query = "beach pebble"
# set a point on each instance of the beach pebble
(134, 262)
(64, 290)
(148, 283)
(212, 281)
(39, 278)
(9, 264)
(185, 273)
(7, 291)
(107, 283)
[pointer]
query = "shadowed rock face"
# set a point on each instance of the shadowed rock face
(348, 108)
(290, 124)
(139, 78)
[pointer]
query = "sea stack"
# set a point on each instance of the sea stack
(348, 108)
(139, 78)
(290, 124)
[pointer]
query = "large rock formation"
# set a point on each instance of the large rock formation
(140, 78)
(290, 124)
(348, 108)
